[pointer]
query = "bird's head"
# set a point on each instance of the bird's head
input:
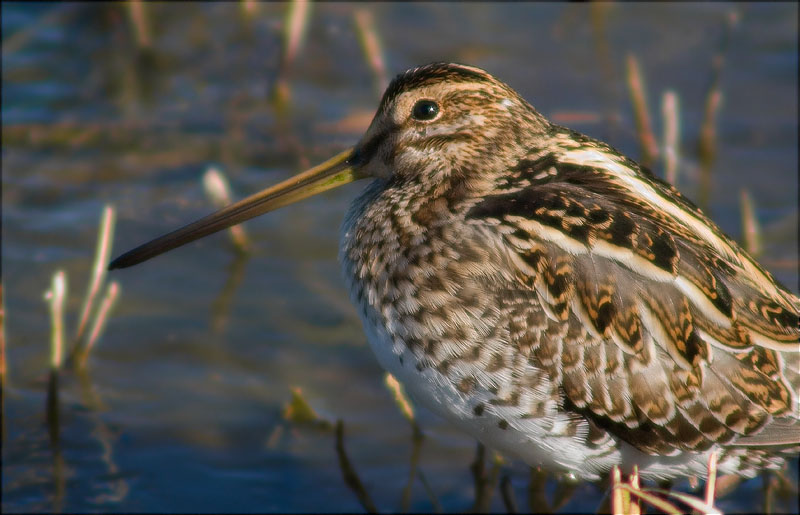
(443, 119)
(433, 122)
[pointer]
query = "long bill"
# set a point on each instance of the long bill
(337, 171)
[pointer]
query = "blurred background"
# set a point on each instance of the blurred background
(185, 402)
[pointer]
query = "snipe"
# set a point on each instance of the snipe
(546, 293)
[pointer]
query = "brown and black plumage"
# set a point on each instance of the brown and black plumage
(548, 294)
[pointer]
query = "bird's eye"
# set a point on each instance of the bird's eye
(425, 110)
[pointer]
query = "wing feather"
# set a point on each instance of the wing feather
(682, 335)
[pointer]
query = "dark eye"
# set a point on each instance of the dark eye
(425, 110)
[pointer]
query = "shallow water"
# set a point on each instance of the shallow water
(182, 409)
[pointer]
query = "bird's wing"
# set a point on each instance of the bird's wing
(672, 337)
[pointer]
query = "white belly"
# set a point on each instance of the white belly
(526, 439)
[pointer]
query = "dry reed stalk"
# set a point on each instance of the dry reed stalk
(219, 192)
(221, 306)
(623, 494)
(55, 297)
(299, 411)
(437, 506)
(646, 496)
(141, 26)
(618, 496)
(598, 15)
(708, 131)
(478, 469)
(3, 369)
(636, 87)
(405, 407)
(370, 43)
(484, 483)
(416, 448)
(565, 491)
(507, 492)
(275, 436)
(112, 293)
(708, 143)
(294, 30)
(348, 472)
(671, 150)
(400, 398)
(249, 7)
(751, 229)
(635, 507)
(105, 237)
(711, 482)
(296, 24)
(537, 500)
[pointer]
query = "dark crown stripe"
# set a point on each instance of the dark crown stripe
(431, 74)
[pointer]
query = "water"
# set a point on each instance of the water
(182, 406)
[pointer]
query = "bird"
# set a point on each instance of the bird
(546, 294)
